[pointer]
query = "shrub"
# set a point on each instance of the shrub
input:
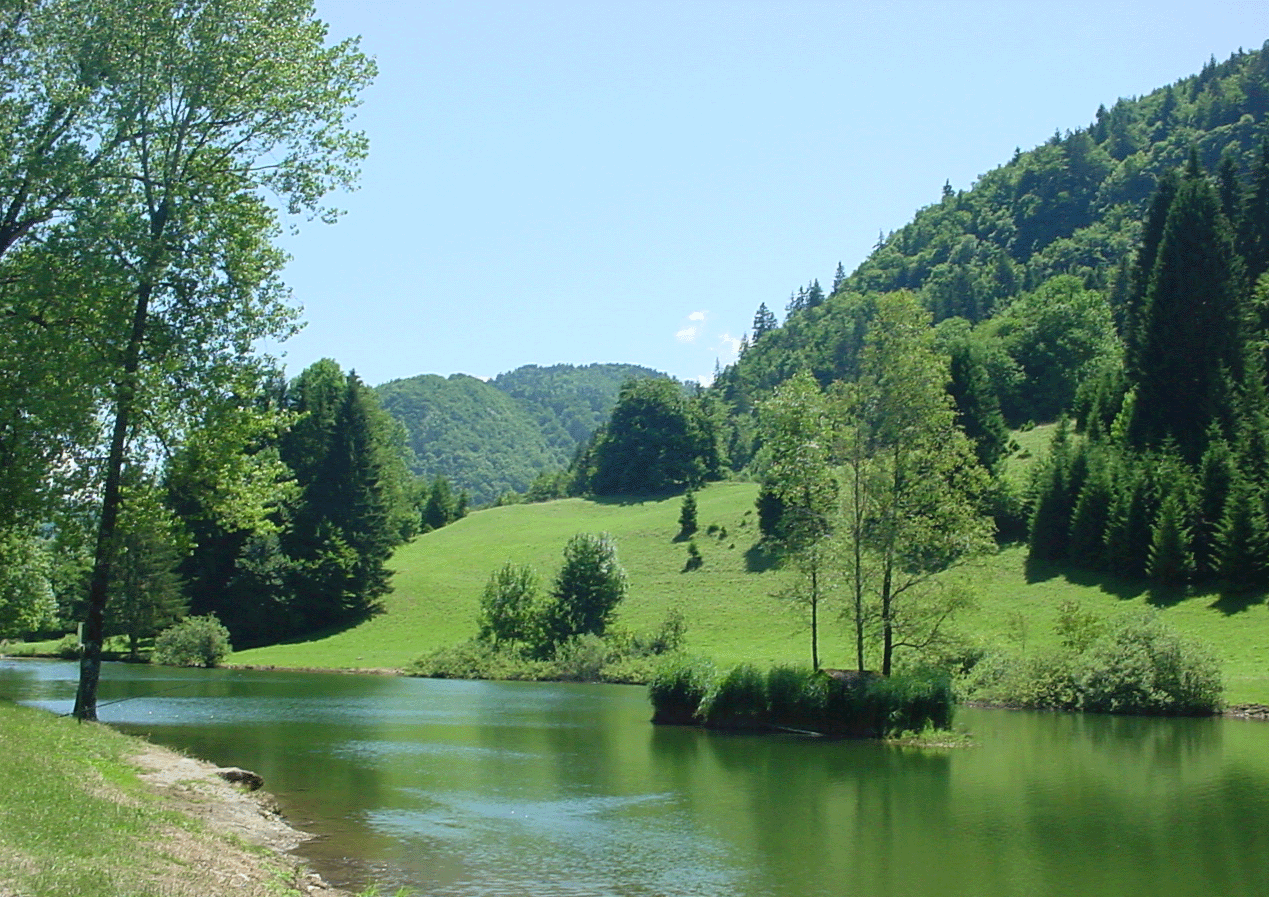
(677, 689)
(582, 659)
(738, 700)
(796, 696)
(193, 642)
(1141, 666)
(1137, 665)
(911, 702)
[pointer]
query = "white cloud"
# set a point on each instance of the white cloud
(686, 335)
(697, 316)
(730, 345)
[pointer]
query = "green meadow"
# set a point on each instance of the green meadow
(732, 604)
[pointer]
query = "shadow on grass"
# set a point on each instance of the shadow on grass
(1236, 601)
(625, 501)
(1123, 587)
(316, 635)
(760, 558)
(1228, 601)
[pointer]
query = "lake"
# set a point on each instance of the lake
(481, 788)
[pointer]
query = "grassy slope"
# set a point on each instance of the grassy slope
(732, 613)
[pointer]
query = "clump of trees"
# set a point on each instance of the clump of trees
(1169, 480)
(582, 600)
(875, 490)
(657, 440)
(565, 633)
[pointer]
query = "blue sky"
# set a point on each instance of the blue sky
(615, 181)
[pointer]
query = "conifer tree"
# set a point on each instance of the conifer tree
(1253, 230)
(764, 321)
(1169, 560)
(1217, 471)
(1090, 514)
(1191, 342)
(1242, 537)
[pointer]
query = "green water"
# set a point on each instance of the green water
(473, 788)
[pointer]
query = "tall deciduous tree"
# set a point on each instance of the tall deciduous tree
(218, 107)
(797, 431)
(913, 487)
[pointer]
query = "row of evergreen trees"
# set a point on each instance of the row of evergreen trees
(1171, 477)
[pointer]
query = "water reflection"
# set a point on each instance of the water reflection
(468, 788)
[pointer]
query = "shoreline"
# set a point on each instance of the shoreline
(241, 823)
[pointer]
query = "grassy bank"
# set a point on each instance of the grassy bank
(77, 821)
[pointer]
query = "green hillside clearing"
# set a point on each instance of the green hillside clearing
(732, 612)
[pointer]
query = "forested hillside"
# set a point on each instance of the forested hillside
(1073, 206)
(1114, 275)
(491, 438)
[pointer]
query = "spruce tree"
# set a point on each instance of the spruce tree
(1217, 471)
(764, 321)
(1242, 537)
(1090, 515)
(1169, 561)
(1253, 230)
(1191, 341)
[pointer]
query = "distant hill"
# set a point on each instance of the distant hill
(497, 436)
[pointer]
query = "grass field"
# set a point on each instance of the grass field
(730, 604)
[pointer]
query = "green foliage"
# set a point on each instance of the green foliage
(687, 514)
(852, 705)
(26, 594)
(1141, 666)
(678, 687)
(656, 440)
(736, 700)
(194, 642)
(1059, 335)
(501, 436)
(507, 606)
(587, 590)
(694, 560)
(1133, 665)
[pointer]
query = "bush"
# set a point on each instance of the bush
(193, 642)
(1136, 665)
(582, 659)
(797, 696)
(677, 688)
(911, 702)
(736, 701)
(1141, 666)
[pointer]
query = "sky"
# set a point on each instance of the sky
(610, 181)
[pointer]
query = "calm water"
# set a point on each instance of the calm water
(471, 788)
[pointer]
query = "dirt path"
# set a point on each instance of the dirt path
(224, 856)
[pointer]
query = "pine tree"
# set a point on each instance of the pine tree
(839, 276)
(1089, 517)
(1217, 472)
(1242, 537)
(687, 514)
(1143, 268)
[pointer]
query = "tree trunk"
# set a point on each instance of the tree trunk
(99, 585)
